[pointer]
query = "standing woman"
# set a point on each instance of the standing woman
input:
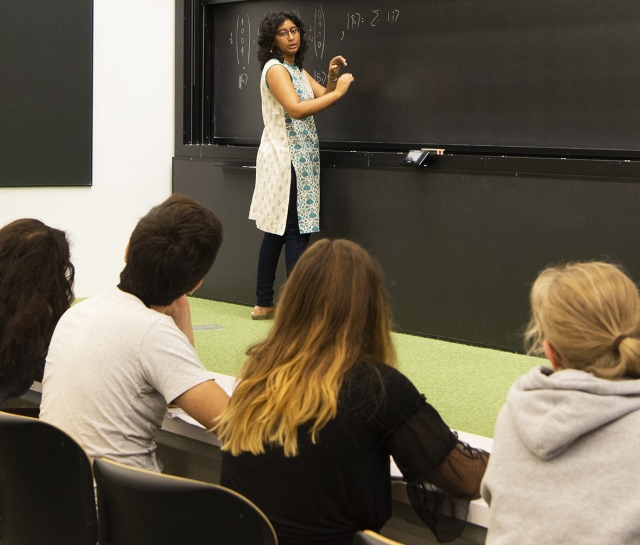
(36, 288)
(286, 200)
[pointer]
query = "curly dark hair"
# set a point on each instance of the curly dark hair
(36, 288)
(267, 34)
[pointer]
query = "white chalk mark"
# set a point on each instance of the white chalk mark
(318, 36)
(249, 48)
(323, 40)
(315, 18)
(237, 28)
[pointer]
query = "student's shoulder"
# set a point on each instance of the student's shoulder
(114, 306)
(376, 370)
(379, 378)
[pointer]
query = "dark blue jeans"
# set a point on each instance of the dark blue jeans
(294, 242)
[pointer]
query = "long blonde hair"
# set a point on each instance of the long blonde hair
(590, 314)
(333, 313)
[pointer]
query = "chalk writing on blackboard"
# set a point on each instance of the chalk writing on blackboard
(318, 32)
(320, 77)
(375, 18)
(242, 41)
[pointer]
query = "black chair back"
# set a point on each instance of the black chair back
(46, 487)
(139, 507)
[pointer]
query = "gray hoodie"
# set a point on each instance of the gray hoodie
(565, 464)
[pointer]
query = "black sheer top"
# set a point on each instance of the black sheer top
(342, 483)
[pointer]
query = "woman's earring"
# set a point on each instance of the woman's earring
(271, 50)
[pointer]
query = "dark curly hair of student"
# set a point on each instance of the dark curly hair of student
(170, 250)
(36, 288)
(267, 35)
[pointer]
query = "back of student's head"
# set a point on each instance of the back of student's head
(170, 250)
(590, 314)
(332, 314)
(36, 288)
(335, 295)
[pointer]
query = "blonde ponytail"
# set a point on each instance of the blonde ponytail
(628, 355)
(590, 313)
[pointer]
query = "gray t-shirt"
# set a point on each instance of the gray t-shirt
(113, 366)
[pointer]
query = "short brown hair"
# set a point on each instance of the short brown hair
(171, 249)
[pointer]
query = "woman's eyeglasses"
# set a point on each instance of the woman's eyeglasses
(284, 33)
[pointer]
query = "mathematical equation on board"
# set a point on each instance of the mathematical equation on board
(375, 17)
(241, 39)
(317, 34)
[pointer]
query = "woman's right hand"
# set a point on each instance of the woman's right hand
(343, 83)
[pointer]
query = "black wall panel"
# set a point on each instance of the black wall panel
(46, 92)
(459, 249)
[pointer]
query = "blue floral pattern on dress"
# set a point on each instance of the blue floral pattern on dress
(305, 157)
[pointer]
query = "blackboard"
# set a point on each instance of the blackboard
(46, 92)
(550, 76)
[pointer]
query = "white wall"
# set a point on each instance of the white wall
(133, 139)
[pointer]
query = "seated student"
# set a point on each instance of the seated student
(320, 407)
(117, 359)
(564, 462)
(36, 288)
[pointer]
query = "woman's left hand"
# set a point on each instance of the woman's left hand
(334, 66)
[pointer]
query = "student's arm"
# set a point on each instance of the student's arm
(429, 453)
(204, 402)
(462, 471)
(180, 311)
(425, 449)
(282, 89)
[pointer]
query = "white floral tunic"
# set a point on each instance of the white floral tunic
(286, 141)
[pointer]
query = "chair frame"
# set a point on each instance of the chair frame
(137, 507)
(46, 485)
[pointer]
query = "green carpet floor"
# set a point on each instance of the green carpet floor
(467, 385)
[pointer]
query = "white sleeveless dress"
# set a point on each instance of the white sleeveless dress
(286, 141)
